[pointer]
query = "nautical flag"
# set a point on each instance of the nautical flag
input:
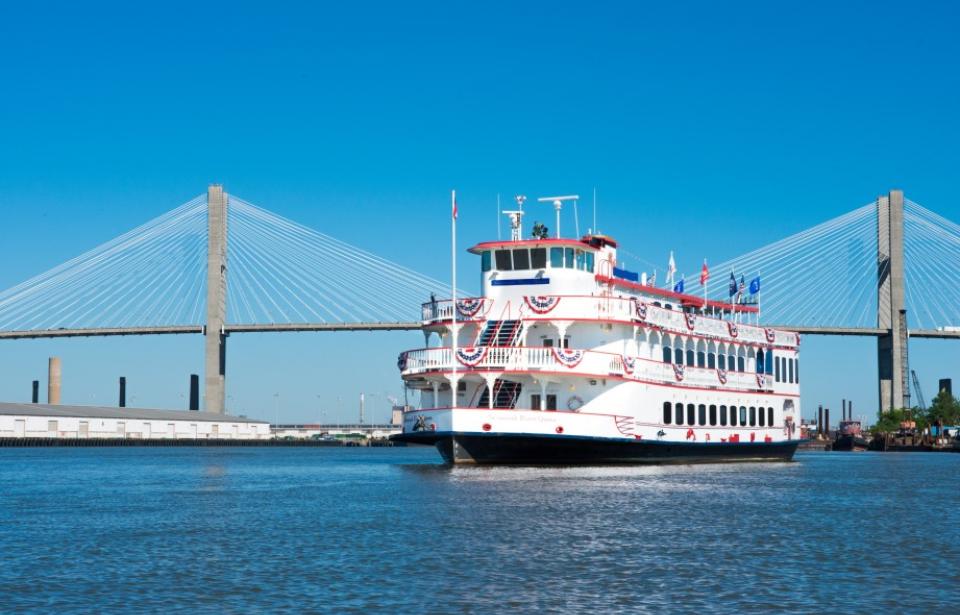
(740, 290)
(671, 266)
(653, 279)
(733, 284)
(454, 206)
(704, 273)
(755, 285)
(678, 287)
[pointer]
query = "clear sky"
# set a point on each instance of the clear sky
(708, 128)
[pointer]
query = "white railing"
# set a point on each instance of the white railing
(607, 308)
(585, 363)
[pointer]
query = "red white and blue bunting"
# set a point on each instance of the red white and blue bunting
(468, 308)
(640, 308)
(771, 335)
(678, 371)
(566, 356)
(471, 357)
(691, 320)
(732, 328)
(722, 375)
(629, 364)
(761, 381)
(541, 304)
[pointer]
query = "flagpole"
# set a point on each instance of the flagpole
(453, 276)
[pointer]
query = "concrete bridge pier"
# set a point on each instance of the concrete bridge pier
(892, 357)
(215, 337)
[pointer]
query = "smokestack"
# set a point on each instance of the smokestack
(194, 392)
(54, 373)
(826, 421)
(123, 391)
(850, 408)
(843, 410)
(820, 420)
(36, 392)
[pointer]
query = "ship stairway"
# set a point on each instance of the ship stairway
(500, 333)
(505, 394)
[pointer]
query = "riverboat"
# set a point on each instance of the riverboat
(567, 357)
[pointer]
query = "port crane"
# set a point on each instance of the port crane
(916, 385)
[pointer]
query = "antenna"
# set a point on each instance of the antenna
(516, 218)
(498, 216)
(595, 230)
(558, 205)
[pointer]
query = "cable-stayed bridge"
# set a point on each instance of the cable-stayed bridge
(861, 273)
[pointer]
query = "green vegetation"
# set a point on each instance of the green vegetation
(945, 408)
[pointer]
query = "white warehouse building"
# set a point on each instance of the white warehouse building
(90, 422)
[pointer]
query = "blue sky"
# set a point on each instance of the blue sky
(707, 128)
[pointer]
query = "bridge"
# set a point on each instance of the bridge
(860, 273)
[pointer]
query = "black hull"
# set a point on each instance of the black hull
(526, 449)
(851, 443)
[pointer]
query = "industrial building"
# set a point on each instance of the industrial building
(96, 422)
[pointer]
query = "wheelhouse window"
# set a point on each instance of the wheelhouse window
(568, 258)
(590, 263)
(521, 259)
(486, 263)
(504, 262)
(556, 258)
(667, 413)
(538, 258)
(581, 260)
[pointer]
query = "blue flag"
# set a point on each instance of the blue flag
(678, 287)
(733, 284)
(755, 285)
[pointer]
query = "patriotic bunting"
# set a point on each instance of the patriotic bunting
(541, 304)
(678, 371)
(468, 308)
(722, 375)
(471, 357)
(640, 308)
(732, 328)
(568, 357)
(629, 364)
(691, 320)
(771, 334)
(761, 381)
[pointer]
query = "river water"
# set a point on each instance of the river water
(390, 530)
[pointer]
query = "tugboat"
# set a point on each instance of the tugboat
(567, 357)
(849, 433)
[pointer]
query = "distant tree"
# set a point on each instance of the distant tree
(944, 408)
(540, 231)
(889, 422)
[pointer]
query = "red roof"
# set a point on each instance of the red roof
(530, 243)
(684, 299)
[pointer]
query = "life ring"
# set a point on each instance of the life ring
(574, 403)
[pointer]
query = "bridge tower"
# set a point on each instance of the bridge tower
(892, 359)
(215, 342)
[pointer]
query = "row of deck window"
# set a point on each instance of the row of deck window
(703, 415)
(784, 369)
(522, 259)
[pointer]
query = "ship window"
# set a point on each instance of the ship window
(731, 363)
(740, 367)
(678, 356)
(770, 417)
(711, 360)
(590, 261)
(722, 361)
(503, 260)
(568, 260)
(733, 416)
(485, 262)
(701, 359)
(556, 258)
(723, 416)
(713, 415)
(535, 401)
(667, 413)
(581, 260)
(753, 416)
(791, 370)
(551, 401)
(548, 342)
(759, 361)
(521, 259)
(656, 303)
(769, 369)
(678, 414)
(762, 418)
(691, 419)
(538, 258)
(701, 415)
(776, 375)
(798, 370)
(667, 354)
(690, 358)
(743, 415)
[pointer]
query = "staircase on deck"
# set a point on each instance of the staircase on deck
(505, 394)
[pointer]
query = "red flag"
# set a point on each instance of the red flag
(704, 273)
(454, 206)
